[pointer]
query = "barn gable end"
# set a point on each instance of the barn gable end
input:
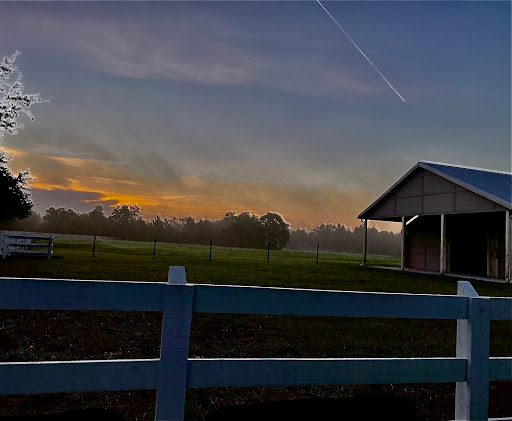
(422, 192)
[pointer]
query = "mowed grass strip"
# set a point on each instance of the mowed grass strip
(34, 335)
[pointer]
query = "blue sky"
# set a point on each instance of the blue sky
(204, 107)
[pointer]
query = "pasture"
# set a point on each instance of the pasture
(66, 335)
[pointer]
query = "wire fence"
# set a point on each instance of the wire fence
(124, 247)
(155, 249)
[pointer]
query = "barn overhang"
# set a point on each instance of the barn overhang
(438, 205)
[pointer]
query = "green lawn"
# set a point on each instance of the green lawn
(65, 335)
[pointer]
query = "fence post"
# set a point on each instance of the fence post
(50, 247)
(94, 245)
(172, 372)
(211, 243)
(472, 396)
(317, 248)
(268, 252)
(154, 248)
(2, 245)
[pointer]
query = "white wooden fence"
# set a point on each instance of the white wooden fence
(23, 244)
(471, 369)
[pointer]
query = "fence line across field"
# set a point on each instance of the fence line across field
(71, 240)
(125, 247)
(71, 243)
(471, 369)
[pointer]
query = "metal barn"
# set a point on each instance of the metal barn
(456, 219)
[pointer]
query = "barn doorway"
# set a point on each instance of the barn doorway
(476, 244)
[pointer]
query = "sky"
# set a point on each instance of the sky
(200, 108)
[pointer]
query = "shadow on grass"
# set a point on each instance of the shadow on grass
(360, 408)
(95, 414)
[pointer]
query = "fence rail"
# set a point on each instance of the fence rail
(173, 372)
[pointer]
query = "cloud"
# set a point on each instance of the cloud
(202, 45)
(79, 201)
(91, 182)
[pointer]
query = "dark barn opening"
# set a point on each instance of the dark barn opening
(467, 251)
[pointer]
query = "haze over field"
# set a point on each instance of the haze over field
(197, 108)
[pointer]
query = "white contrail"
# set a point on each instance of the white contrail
(361, 51)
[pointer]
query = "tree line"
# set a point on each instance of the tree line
(339, 238)
(126, 223)
(243, 230)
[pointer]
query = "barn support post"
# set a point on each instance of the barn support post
(365, 241)
(442, 256)
(403, 244)
(172, 371)
(472, 396)
(508, 246)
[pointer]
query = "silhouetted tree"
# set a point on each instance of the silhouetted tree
(276, 230)
(14, 100)
(62, 220)
(15, 201)
(95, 221)
(244, 230)
(126, 221)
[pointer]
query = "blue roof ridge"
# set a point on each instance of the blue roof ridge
(465, 167)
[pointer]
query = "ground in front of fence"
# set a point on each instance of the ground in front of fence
(65, 335)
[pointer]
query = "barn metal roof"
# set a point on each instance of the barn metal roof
(491, 184)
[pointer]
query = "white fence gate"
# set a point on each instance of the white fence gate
(23, 244)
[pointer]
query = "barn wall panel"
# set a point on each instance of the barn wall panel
(466, 201)
(439, 203)
(385, 209)
(416, 241)
(433, 238)
(433, 262)
(408, 206)
(423, 243)
(416, 261)
(433, 184)
(410, 187)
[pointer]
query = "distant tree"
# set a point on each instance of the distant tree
(243, 230)
(276, 230)
(61, 220)
(125, 214)
(158, 225)
(126, 221)
(34, 223)
(95, 221)
(14, 192)
(300, 239)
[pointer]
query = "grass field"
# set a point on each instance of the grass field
(65, 335)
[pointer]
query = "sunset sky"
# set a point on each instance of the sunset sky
(199, 108)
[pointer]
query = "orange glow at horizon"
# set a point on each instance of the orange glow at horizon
(114, 185)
